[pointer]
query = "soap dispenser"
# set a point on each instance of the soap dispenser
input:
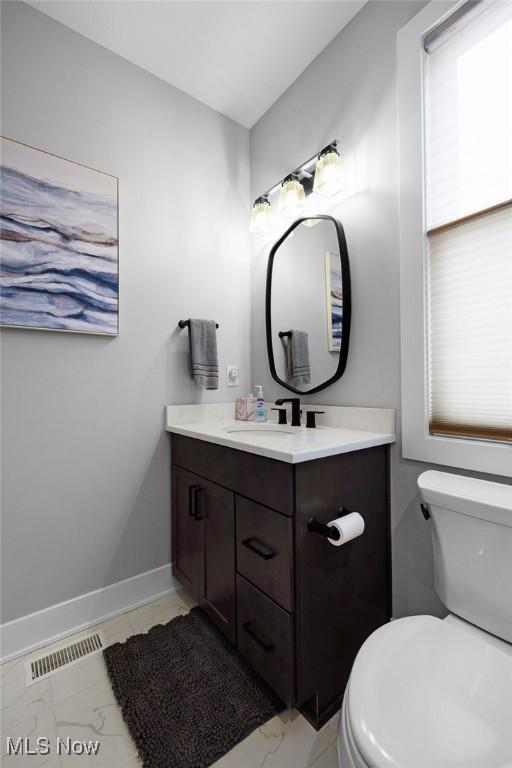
(261, 414)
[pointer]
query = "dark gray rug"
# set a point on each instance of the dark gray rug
(186, 695)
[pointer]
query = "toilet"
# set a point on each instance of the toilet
(437, 693)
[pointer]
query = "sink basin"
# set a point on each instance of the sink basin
(267, 430)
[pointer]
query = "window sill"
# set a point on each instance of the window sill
(491, 457)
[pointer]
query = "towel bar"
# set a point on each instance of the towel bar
(186, 323)
(283, 334)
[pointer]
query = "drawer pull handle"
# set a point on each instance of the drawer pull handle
(193, 506)
(259, 548)
(266, 646)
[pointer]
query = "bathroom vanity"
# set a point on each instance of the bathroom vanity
(296, 607)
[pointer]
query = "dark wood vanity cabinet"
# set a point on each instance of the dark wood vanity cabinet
(295, 606)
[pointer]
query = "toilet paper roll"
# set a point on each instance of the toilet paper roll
(349, 526)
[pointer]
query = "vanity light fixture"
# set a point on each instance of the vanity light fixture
(329, 172)
(262, 218)
(302, 192)
(292, 198)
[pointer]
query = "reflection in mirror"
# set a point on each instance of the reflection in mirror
(308, 305)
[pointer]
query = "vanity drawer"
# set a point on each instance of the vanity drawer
(265, 638)
(264, 550)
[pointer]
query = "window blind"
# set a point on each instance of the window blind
(468, 156)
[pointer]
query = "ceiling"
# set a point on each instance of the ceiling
(237, 56)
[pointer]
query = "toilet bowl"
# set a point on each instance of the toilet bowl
(437, 693)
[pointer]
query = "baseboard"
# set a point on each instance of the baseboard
(51, 624)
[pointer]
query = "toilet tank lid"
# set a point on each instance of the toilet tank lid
(468, 495)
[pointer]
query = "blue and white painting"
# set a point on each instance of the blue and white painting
(334, 285)
(59, 243)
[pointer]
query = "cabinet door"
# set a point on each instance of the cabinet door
(216, 507)
(187, 530)
(203, 545)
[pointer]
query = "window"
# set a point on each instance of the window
(468, 162)
(455, 139)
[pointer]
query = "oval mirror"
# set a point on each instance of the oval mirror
(308, 305)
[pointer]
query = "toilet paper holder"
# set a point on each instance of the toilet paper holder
(315, 526)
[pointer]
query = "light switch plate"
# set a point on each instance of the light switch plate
(232, 375)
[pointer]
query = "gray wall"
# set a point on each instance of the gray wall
(86, 461)
(349, 92)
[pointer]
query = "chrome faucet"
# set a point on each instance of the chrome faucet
(296, 412)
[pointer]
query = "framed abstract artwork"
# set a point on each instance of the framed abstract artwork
(59, 243)
(334, 294)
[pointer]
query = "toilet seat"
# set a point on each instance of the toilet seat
(348, 752)
(428, 693)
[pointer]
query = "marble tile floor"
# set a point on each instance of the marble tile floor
(78, 703)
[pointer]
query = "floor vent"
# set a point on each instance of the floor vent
(39, 667)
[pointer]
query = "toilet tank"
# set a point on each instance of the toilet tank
(472, 534)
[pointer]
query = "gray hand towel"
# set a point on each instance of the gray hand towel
(203, 353)
(298, 358)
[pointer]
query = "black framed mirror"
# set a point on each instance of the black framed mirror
(308, 305)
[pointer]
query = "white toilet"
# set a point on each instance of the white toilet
(432, 693)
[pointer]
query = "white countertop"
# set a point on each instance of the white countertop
(290, 444)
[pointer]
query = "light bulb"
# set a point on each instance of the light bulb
(328, 173)
(292, 199)
(261, 216)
